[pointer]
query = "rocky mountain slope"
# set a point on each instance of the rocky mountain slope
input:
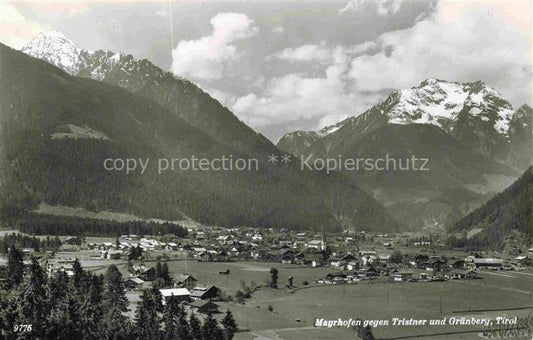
(465, 131)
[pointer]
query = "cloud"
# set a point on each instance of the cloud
(387, 8)
(320, 53)
(297, 97)
(305, 53)
(456, 42)
(383, 8)
(352, 5)
(462, 42)
(205, 58)
(16, 30)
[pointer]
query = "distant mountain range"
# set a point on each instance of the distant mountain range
(476, 143)
(58, 128)
(490, 224)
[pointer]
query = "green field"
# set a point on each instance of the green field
(364, 300)
(247, 272)
(369, 301)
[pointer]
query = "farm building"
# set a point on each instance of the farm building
(205, 292)
(403, 276)
(488, 263)
(182, 294)
(134, 283)
(204, 307)
(462, 274)
(144, 272)
(185, 281)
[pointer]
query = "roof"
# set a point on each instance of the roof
(488, 261)
(175, 292)
(204, 288)
(135, 279)
(463, 271)
(184, 277)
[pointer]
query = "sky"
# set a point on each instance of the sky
(282, 66)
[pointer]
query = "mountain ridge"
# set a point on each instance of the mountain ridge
(466, 137)
(143, 78)
(44, 100)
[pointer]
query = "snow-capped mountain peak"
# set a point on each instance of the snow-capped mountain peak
(56, 49)
(440, 103)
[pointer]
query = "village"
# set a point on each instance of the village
(254, 272)
(345, 258)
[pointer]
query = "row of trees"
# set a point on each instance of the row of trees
(43, 224)
(89, 306)
(25, 241)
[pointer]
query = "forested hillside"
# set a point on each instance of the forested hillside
(58, 130)
(512, 209)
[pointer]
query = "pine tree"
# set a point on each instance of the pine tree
(90, 305)
(230, 326)
(170, 319)
(158, 269)
(184, 331)
(273, 278)
(32, 308)
(78, 278)
(147, 319)
(194, 323)
(15, 268)
(210, 329)
(116, 326)
(63, 321)
(165, 274)
(115, 292)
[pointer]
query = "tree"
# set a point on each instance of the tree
(116, 326)
(194, 323)
(135, 253)
(273, 278)
(115, 295)
(176, 326)
(396, 257)
(64, 321)
(15, 268)
(230, 326)
(210, 329)
(32, 308)
(165, 274)
(79, 275)
(147, 319)
(90, 305)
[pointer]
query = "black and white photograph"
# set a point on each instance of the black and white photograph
(266, 169)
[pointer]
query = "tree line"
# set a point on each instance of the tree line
(89, 306)
(25, 241)
(44, 224)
